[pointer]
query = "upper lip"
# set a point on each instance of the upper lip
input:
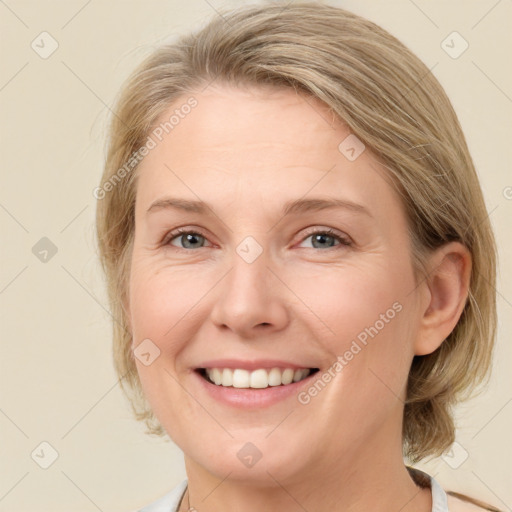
(251, 365)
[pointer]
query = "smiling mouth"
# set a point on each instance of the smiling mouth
(256, 379)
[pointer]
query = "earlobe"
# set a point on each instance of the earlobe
(447, 286)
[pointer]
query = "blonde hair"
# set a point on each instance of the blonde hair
(392, 103)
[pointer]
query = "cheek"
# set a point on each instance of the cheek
(165, 304)
(162, 301)
(161, 297)
(345, 301)
(365, 316)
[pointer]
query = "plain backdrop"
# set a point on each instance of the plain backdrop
(57, 383)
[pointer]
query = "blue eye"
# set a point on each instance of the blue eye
(326, 237)
(189, 239)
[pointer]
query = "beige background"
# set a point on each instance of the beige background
(57, 380)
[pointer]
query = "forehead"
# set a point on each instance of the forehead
(274, 144)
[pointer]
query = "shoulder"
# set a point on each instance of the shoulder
(169, 502)
(462, 503)
(449, 501)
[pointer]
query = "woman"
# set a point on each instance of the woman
(298, 257)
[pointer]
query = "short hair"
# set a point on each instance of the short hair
(391, 101)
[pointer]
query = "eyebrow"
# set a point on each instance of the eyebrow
(294, 207)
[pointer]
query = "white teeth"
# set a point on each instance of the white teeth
(297, 375)
(274, 377)
(216, 376)
(257, 379)
(241, 378)
(287, 376)
(227, 377)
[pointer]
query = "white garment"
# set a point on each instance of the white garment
(170, 501)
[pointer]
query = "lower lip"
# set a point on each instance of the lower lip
(249, 398)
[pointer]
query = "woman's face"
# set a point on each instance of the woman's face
(258, 284)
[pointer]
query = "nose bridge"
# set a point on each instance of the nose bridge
(250, 268)
(248, 296)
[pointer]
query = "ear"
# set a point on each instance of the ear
(444, 294)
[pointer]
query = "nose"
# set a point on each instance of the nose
(251, 300)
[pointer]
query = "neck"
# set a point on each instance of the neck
(372, 477)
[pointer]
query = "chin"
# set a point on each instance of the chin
(258, 460)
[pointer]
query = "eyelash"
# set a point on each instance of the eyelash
(343, 241)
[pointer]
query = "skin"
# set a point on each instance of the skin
(248, 151)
